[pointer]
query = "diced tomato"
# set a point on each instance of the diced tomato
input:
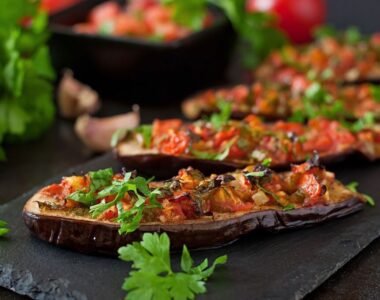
(225, 135)
(299, 84)
(240, 93)
(52, 190)
(157, 15)
(110, 214)
(175, 143)
(309, 184)
(375, 39)
(126, 24)
(141, 5)
(161, 127)
(187, 206)
(71, 203)
(320, 143)
(236, 152)
(104, 12)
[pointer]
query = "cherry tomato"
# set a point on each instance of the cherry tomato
(297, 18)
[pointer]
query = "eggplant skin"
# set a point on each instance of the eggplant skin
(97, 237)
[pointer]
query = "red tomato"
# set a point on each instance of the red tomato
(321, 143)
(310, 186)
(298, 18)
(226, 135)
(236, 152)
(161, 127)
(104, 12)
(175, 143)
(55, 5)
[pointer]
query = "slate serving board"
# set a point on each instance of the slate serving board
(261, 266)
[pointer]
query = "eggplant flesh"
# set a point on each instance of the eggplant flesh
(90, 236)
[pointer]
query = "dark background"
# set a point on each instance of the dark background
(59, 149)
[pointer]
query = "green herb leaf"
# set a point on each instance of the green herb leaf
(218, 120)
(26, 90)
(352, 186)
(190, 14)
(375, 91)
(367, 121)
(267, 162)
(288, 207)
(325, 31)
(256, 174)
(146, 132)
(102, 186)
(352, 35)
(3, 228)
(152, 276)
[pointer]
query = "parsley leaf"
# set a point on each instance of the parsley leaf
(146, 132)
(375, 91)
(352, 186)
(26, 90)
(214, 156)
(98, 179)
(190, 14)
(325, 31)
(152, 276)
(256, 30)
(364, 122)
(221, 118)
(352, 35)
(3, 228)
(288, 207)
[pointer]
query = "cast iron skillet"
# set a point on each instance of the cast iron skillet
(144, 70)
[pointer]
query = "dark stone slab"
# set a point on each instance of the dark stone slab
(272, 266)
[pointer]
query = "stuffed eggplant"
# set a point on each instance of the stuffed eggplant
(302, 100)
(221, 145)
(101, 211)
(341, 59)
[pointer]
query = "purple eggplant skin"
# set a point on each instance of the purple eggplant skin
(96, 237)
(166, 166)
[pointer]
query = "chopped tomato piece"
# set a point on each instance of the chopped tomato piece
(106, 11)
(309, 184)
(225, 135)
(161, 127)
(175, 143)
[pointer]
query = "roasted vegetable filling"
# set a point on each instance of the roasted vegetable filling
(251, 141)
(130, 199)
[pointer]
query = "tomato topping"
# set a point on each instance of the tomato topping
(53, 190)
(175, 143)
(236, 152)
(106, 11)
(225, 135)
(161, 127)
(309, 184)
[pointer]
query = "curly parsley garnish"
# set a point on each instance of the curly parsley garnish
(103, 185)
(152, 276)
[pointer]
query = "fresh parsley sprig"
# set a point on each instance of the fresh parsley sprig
(190, 14)
(221, 118)
(152, 276)
(102, 186)
(3, 228)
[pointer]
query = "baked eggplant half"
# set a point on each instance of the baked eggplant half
(102, 211)
(340, 59)
(305, 98)
(221, 145)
